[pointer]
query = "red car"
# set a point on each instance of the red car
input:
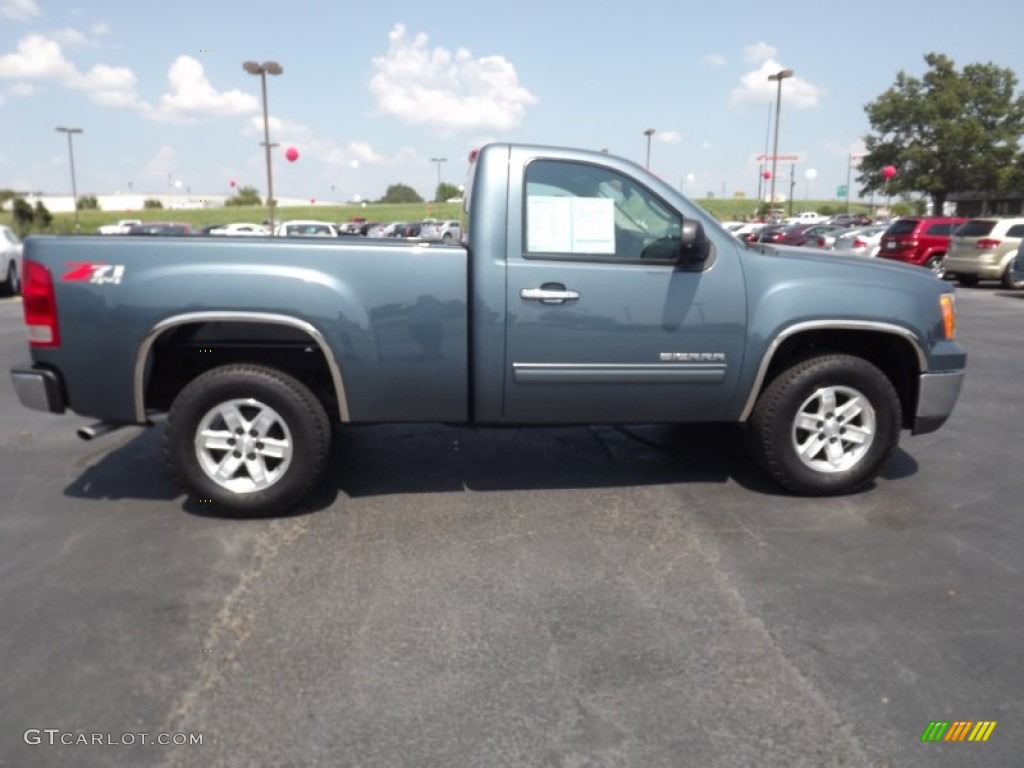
(920, 240)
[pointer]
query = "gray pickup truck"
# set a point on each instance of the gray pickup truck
(586, 291)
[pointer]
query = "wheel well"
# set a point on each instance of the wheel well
(894, 356)
(181, 353)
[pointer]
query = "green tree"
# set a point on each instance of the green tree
(445, 191)
(401, 193)
(42, 216)
(245, 196)
(88, 203)
(23, 216)
(948, 131)
(152, 203)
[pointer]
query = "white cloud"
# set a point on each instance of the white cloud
(191, 95)
(69, 37)
(2, 99)
(100, 28)
(40, 58)
(669, 137)
(705, 144)
(37, 58)
(445, 89)
(759, 51)
(756, 90)
(22, 89)
(714, 60)
(20, 10)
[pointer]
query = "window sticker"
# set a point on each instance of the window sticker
(570, 224)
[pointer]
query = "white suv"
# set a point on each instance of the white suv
(984, 249)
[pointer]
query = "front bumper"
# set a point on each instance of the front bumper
(937, 393)
(39, 389)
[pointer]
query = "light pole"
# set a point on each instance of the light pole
(778, 77)
(648, 133)
(439, 160)
(264, 69)
(71, 155)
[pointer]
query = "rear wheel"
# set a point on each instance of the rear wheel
(826, 425)
(936, 266)
(12, 282)
(1009, 281)
(249, 439)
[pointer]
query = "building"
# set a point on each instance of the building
(972, 204)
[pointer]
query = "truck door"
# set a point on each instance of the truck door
(604, 323)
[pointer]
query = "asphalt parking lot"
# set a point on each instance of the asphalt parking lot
(557, 597)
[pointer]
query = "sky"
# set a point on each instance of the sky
(371, 93)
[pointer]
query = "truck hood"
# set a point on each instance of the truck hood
(858, 268)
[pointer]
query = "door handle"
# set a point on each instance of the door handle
(550, 293)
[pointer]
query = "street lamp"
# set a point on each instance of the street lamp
(439, 160)
(264, 69)
(648, 133)
(71, 155)
(778, 77)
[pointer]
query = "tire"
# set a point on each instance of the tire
(935, 265)
(1008, 281)
(12, 282)
(799, 409)
(248, 439)
(968, 280)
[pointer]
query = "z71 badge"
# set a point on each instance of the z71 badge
(95, 273)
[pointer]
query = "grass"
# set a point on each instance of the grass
(724, 209)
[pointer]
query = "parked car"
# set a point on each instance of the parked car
(749, 228)
(449, 231)
(850, 220)
(305, 228)
(120, 227)
(861, 241)
(241, 229)
(806, 217)
(162, 228)
(984, 249)
(10, 262)
(794, 234)
(826, 238)
(920, 240)
(771, 233)
(809, 237)
(394, 229)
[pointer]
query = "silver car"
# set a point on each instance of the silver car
(863, 241)
(449, 231)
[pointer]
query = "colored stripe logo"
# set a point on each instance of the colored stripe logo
(959, 730)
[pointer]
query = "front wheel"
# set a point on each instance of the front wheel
(826, 425)
(248, 439)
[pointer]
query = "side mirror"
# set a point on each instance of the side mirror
(694, 245)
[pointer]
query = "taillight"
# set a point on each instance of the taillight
(858, 243)
(821, 242)
(987, 244)
(40, 306)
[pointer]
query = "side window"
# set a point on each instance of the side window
(940, 229)
(1017, 230)
(582, 211)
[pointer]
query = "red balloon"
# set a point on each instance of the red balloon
(292, 154)
(889, 171)
(312, 201)
(767, 174)
(232, 182)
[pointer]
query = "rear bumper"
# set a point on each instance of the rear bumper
(936, 395)
(988, 266)
(39, 389)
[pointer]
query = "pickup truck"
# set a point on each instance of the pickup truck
(586, 290)
(119, 227)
